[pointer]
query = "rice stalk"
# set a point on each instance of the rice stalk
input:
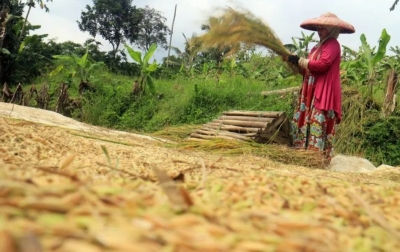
(232, 28)
(278, 153)
(176, 133)
(105, 140)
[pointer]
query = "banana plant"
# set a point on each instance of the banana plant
(348, 54)
(368, 59)
(229, 64)
(6, 22)
(301, 44)
(393, 62)
(72, 65)
(145, 68)
(30, 40)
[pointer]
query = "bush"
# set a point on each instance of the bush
(382, 141)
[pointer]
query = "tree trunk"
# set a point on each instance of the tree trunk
(7, 93)
(389, 103)
(18, 95)
(3, 25)
(135, 88)
(26, 20)
(170, 38)
(3, 33)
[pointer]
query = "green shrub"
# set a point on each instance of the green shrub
(382, 141)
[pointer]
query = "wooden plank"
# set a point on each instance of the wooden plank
(247, 118)
(248, 135)
(273, 114)
(212, 137)
(281, 91)
(251, 135)
(259, 125)
(213, 132)
(211, 129)
(205, 128)
(231, 128)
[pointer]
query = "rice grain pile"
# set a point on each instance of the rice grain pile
(63, 190)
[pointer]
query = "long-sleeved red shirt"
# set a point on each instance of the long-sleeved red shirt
(326, 70)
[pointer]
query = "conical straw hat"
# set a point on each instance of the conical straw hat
(327, 19)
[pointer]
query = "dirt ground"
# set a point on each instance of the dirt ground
(69, 186)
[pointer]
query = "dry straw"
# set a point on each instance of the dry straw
(279, 153)
(232, 28)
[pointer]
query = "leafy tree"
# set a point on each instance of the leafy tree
(10, 27)
(72, 48)
(29, 61)
(152, 29)
(20, 53)
(115, 63)
(114, 20)
(31, 4)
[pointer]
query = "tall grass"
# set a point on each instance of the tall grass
(179, 101)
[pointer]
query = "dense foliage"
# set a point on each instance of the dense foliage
(152, 29)
(113, 20)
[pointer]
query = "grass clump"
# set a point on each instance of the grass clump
(178, 102)
(365, 132)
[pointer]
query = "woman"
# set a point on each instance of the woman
(319, 108)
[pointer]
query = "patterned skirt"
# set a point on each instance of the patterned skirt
(314, 130)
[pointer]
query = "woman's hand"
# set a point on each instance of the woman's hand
(294, 59)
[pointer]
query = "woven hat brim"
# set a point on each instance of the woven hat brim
(312, 24)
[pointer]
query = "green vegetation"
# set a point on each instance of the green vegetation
(177, 101)
(195, 85)
(183, 101)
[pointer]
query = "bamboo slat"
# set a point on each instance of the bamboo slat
(247, 118)
(211, 129)
(214, 132)
(259, 125)
(232, 128)
(219, 131)
(254, 113)
(212, 137)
